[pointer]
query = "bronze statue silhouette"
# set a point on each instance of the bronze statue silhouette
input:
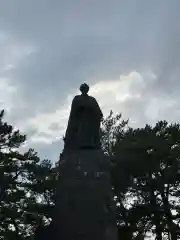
(83, 191)
(83, 130)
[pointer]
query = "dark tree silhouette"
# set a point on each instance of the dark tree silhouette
(145, 180)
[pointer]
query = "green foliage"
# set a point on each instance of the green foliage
(24, 182)
(112, 128)
(146, 179)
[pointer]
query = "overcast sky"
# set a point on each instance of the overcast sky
(127, 50)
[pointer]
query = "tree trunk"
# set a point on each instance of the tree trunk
(156, 219)
(169, 219)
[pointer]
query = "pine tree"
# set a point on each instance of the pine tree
(26, 185)
(147, 162)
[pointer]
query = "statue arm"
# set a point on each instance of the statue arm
(73, 109)
(72, 118)
(98, 109)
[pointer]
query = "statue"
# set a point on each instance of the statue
(83, 193)
(83, 130)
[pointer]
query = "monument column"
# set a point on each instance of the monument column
(83, 208)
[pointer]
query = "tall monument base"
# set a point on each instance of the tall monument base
(84, 205)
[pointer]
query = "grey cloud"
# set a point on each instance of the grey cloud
(47, 151)
(54, 126)
(90, 40)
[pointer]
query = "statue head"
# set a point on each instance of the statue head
(84, 88)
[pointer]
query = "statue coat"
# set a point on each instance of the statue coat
(83, 128)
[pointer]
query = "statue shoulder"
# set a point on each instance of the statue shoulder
(76, 100)
(81, 99)
(92, 99)
(76, 97)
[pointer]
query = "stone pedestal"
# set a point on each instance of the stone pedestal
(84, 206)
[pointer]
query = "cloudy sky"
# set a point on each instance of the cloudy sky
(127, 50)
